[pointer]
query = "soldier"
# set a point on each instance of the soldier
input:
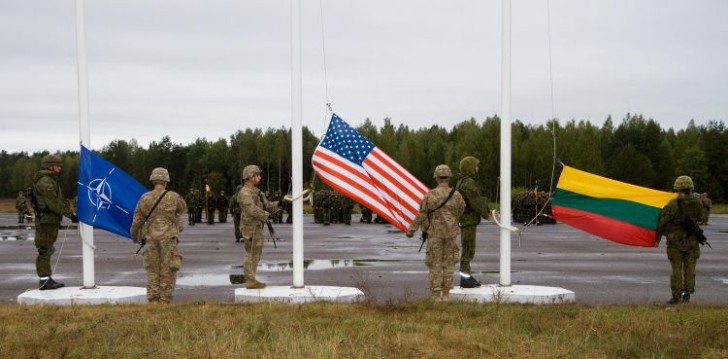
(255, 210)
(235, 211)
(476, 207)
(707, 203)
(51, 209)
(348, 204)
(210, 205)
(200, 206)
(366, 214)
(683, 248)
(438, 217)
(222, 207)
(21, 205)
(157, 224)
(192, 200)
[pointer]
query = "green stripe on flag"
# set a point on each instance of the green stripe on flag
(617, 209)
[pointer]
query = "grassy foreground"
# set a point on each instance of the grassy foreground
(329, 330)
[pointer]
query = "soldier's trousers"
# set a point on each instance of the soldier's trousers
(210, 214)
(222, 215)
(236, 222)
(683, 269)
(467, 241)
(45, 236)
(442, 254)
(253, 251)
(162, 261)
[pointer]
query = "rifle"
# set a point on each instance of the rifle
(272, 232)
(690, 226)
(424, 239)
(144, 243)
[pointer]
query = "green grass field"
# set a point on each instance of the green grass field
(328, 330)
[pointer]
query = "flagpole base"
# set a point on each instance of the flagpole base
(291, 295)
(494, 293)
(85, 296)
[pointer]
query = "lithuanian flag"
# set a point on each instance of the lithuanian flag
(606, 208)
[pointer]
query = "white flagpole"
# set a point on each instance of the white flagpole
(505, 147)
(87, 233)
(297, 143)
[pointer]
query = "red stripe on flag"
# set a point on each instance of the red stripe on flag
(605, 227)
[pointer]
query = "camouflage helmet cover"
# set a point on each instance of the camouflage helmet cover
(159, 174)
(468, 164)
(50, 160)
(250, 171)
(442, 171)
(683, 183)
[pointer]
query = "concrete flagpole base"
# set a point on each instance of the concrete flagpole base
(534, 294)
(306, 294)
(81, 296)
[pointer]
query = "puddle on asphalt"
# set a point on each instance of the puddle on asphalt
(17, 234)
(272, 266)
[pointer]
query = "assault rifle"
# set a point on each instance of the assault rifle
(272, 232)
(690, 226)
(424, 239)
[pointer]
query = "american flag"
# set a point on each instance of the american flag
(354, 166)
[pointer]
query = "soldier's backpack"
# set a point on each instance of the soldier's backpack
(30, 195)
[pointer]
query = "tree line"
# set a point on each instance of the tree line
(637, 150)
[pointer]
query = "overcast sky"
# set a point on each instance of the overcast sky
(189, 69)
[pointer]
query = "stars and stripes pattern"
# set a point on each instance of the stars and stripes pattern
(354, 166)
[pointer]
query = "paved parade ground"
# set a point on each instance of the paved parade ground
(379, 260)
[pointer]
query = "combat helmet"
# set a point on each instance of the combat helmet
(159, 174)
(442, 171)
(250, 171)
(50, 160)
(683, 183)
(468, 164)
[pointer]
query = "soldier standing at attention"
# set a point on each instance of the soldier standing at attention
(234, 207)
(51, 209)
(255, 210)
(192, 200)
(21, 205)
(438, 217)
(160, 233)
(683, 249)
(222, 207)
(476, 207)
(210, 206)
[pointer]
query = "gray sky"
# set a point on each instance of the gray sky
(190, 69)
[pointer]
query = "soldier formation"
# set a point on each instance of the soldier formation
(331, 207)
(527, 208)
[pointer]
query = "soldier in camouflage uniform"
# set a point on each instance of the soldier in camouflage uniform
(476, 207)
(51, 209)
(192, 200)
(161, 234)
(21, 205)
(438, 217)
(222, 207)
(210, 205)
(235, 211)
(683, 249)
(707, 203)
(255, 210)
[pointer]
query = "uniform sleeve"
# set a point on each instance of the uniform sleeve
(247, 204)
(471, 194)
(46, 188)
(665, 217)
(420, 220)
(136, 222)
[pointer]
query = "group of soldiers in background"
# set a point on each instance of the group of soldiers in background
(211, 203)
(287, 206)
(24, 207)
(332, 207)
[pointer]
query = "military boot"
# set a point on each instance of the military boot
(254, 284)
(436, 295)
(673, 300)
(468, 282)
(48, 284)
(685, 297)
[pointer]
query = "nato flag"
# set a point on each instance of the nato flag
(107, 196)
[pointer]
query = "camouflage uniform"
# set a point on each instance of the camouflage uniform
(192, 201)
(707, 203)
(683, 249)
(222, 207)
(21, 205)
(52, 207)
(441, 227)
(255, 210)
(161, 233)
(476, 207)
(235, 211)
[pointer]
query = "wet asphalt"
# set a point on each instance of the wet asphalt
(378, 259)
